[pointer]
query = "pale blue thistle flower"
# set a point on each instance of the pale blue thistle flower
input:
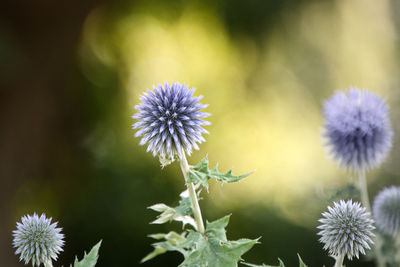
(386, 210)
(357, 128)
(170, 121)
(346, 229)
(37, 240)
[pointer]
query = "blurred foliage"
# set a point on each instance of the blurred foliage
(265, 67)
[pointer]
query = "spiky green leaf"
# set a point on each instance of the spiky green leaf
(172, 242)
(184, 207)
(158, 250)
(301, 263)
(281, 264)
(210, 249)
(213, 248)
(201, 173)
(89, 260)
(181, 213)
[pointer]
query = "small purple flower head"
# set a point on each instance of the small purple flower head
(386, 210)
(37, 240)
(170, 121)
(346, 229)
(357, 128)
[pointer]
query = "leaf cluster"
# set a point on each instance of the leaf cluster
(211, 249)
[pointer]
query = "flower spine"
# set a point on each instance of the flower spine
(170, 121)
(37, 240)
(346, 229)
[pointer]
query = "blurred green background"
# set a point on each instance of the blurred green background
(71, 72)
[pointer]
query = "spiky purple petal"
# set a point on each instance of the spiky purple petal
(357, 128)
(386, 210)
(170, 121)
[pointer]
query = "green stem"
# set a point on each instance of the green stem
(397, 244)
(339, 261)
(192, 194)
(362, 181)
(380, 260)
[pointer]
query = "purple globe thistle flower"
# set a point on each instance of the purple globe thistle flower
(346, 229)
(37, 240)
(386, 210)
(358, 128)
(170, 121)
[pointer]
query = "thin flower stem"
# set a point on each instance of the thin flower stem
(192, 194)
(380, 260)
(397, 244)
(362, 181)
(339, 261)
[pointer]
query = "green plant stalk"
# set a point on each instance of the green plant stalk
(339, 261)
(380, 260)
(362, 182)
(192, 194)
(397, 245)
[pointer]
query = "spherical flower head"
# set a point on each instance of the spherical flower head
(346, 229)
(357, 128)
(170, 121)
(37, 239)
(386, 210)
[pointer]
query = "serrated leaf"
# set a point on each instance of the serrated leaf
(160, 207)
(172, 242)
(157, 236)
(217, 228)
(214, 249)
(201, 174)
(281, 264)
(169, 214)
(184, 207)
(211, 249)
(158, 250)
(181, 213)
(255, 265)
(89, 260)
(175, 238)
(301, 263)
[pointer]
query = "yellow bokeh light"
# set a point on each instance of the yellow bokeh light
(264, 116)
